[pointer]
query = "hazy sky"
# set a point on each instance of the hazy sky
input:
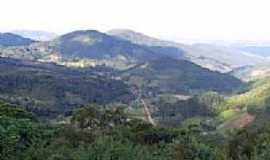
(173, 19)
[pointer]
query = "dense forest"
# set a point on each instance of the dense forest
(50, 90)
(105, 134)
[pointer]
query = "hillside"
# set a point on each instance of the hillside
(50, 90)
(168, 75)
(96, 45)
(214, 57)
(10, 39)
(122, 49)
(251, 73)
(257, 96)
(91, 47)
(250, 108)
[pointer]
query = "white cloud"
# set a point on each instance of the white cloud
(200, 19)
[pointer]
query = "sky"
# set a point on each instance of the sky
(170, 19)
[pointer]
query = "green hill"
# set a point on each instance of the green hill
(257, 96)
(211, 56)
(247, 108)
(49, 90)
(96, 45)
(178, 76)
(92, 47)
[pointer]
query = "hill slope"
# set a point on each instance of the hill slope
(97, 45)
(10, 39)
(93, 46)
(48, 89)
(248, 108)
(258, 96)
(178, 76)
(251, 73)
(125, 48)
(213, 57)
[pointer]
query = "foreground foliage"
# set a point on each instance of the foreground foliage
(98, 135)
(94, 134)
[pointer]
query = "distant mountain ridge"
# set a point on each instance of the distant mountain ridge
(252, 73)
(94, 44)
(140, 38)
(263, 51)
(214, 57)
(36, 35)
(125, 48)
(91, 46)
(10, 39)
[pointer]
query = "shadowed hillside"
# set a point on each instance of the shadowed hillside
(10, 39)
(178, 76)
(52, 90)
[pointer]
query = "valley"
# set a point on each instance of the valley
(88, 93)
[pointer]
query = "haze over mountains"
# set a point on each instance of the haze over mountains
(122, 44)
(216, 57)
(35, 35)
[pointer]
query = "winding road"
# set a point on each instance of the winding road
(147, 113)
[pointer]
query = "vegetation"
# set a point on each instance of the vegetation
(97, 134)
(255, 98)
(101, 113)
(227, 114)
(251, 143)
(169, 75)
(50, 90)
(105, 134)
(207, 126)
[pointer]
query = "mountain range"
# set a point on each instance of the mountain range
(142, 67)
(36, 35)
(96, 45)
(215, 57)
(125, 48)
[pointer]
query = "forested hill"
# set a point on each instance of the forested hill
(49, 90)
(169, 75)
